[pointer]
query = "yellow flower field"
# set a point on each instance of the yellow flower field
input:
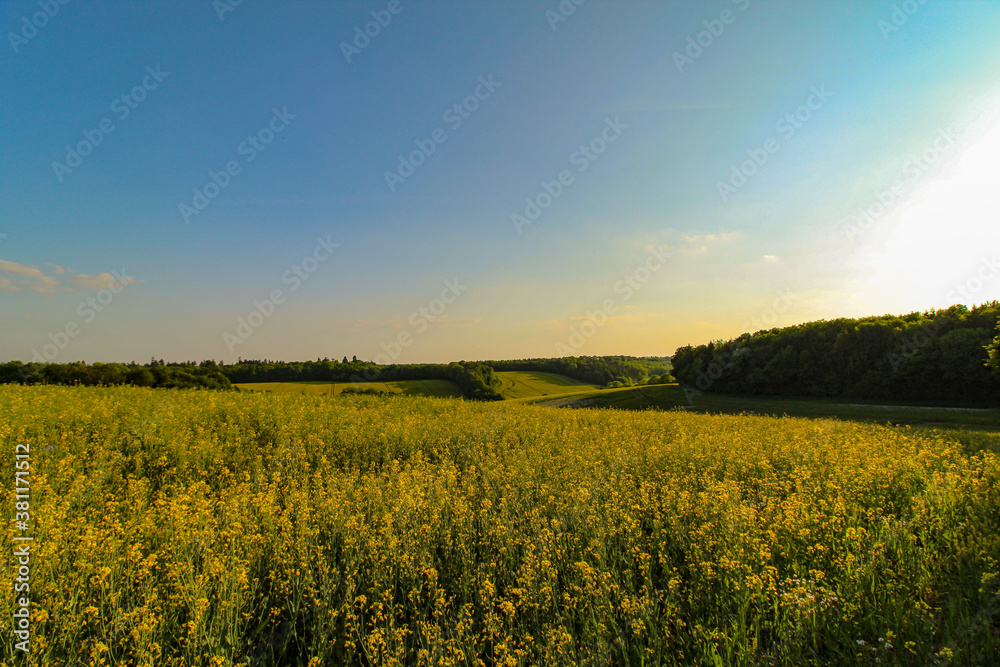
(208, 528)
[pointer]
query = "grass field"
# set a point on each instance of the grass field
(530, 384)
(976, 429)
(207, 528)
(433, 388)
(672, 396)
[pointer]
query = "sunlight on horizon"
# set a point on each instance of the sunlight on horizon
(940, 251)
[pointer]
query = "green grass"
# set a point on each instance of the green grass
(975, 429)
(531, 384)
(433, 388)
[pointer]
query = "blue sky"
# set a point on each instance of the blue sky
(638, 252)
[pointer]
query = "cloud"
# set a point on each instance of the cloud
(100, 281)
(22, 270)
(699, 244)
(721, 237)
(16, 277)
(26, 278)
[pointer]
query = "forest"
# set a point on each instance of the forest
(188, 375)
(935, 355)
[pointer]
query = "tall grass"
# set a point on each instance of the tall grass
(202, 528)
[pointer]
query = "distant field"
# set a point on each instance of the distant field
(977, 429)
(434, 388)
(529, 384)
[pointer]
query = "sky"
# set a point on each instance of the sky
(433, 181)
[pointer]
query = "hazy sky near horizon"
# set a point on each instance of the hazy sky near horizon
(484, 180)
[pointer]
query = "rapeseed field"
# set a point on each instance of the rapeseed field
(208, 528)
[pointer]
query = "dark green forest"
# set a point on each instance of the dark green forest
(188, 375)
(936, 355)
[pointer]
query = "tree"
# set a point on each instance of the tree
(993, 349)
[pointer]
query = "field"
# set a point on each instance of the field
(436, 388)
(516, 384)
(979, 428)
(206, 528)
(530, 384)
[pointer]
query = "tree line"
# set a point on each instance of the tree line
(935, 355)
(186, 375)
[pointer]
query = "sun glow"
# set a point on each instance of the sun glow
(944, 247)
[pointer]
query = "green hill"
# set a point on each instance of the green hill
(530, 384)
(434, 388)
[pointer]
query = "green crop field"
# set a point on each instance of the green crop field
(530, 384)
(433, 388)
(200, 528)
(977, 429)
